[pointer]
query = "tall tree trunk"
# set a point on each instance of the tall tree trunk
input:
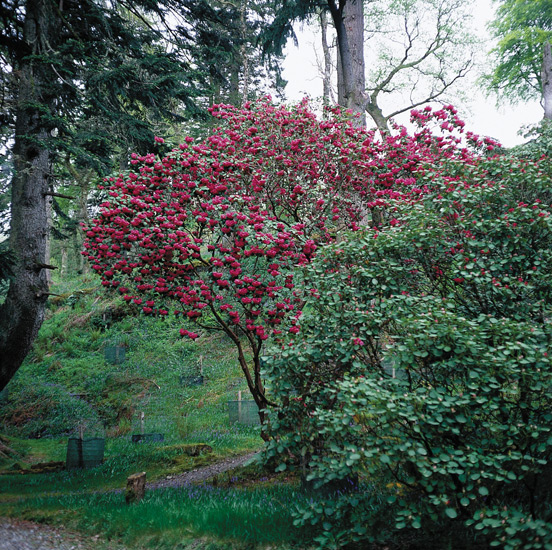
(63, 268)
(234, 95)
(239, 67)
(215, 91)
(22, 312)
(83, 180)
(340, 85)
(348, 20)
(243, 53)
(547, 81)
(48, 250)
(327, 80)
(82, 217)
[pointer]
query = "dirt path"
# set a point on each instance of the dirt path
(24, 535)
(201, 474)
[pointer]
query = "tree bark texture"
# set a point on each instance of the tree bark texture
(48, 248)
(340, 86)
(234, 92)
(348, 20)
(378, 117)
(22, 312)
(546, 77)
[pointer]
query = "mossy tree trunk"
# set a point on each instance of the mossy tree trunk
(22, 313)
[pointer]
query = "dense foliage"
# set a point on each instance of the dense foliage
(423, 363)
(522, 30)
(415, 348)
(216, 228)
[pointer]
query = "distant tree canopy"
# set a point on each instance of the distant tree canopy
(522, 57)
(418, 50)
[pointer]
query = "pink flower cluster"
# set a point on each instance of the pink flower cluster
(217, 227)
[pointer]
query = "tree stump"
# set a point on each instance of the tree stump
(136, 488)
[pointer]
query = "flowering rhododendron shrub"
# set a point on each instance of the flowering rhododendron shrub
(423, 366)
(213, 231)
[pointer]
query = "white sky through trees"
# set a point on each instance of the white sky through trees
(481, 114)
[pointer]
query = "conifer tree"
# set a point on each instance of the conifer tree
(85, 82)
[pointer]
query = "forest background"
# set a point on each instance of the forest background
(481, 111)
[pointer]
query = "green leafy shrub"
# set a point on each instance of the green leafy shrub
(539, 141)
(423, 364)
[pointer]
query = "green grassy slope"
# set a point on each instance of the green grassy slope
(66, 386)
(66, 383)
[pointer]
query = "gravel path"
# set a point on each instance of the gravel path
(201, 474)
(24, 535)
